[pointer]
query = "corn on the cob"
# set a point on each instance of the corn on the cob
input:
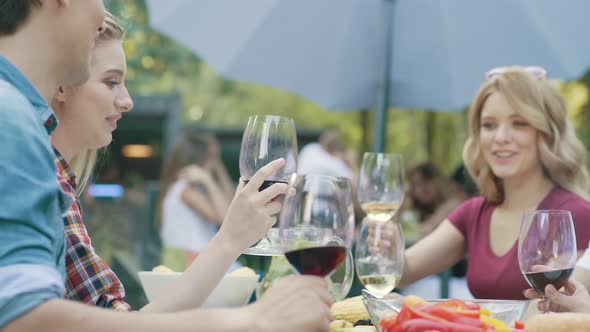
(351, 310)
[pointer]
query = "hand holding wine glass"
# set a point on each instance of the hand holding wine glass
(380, 253)
(267, 138)
(380, 247)
(547, 250)
(251, 213)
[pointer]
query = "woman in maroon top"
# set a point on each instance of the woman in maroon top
(524, 155)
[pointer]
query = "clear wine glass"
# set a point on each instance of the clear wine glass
(379, 256)
(267, 138)
(381, 185)
(547, 250)
(340, 281)
(317, 223)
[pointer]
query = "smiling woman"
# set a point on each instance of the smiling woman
(524, 155)
(87, 116)
(88, 113)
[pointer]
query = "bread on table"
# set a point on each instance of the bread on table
(558, 322)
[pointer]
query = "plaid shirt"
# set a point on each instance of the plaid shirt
(89, 278)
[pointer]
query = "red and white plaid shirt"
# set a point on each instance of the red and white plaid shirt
(89, 278)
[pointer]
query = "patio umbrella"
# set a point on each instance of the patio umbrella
(351, 54)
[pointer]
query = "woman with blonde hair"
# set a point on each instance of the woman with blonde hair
(88, 115)
(523, 154)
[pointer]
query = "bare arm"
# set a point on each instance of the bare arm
(62, 315)
(201, 204)
(190, 256)
(200, 277)
(249, 217)
(218, 197)
(438, 216)
(214, 203)
(228, 187)
(434, 253)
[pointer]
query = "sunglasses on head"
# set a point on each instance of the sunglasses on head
(535, 71)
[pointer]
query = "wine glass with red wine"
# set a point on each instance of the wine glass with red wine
(267, 138)
(547, 249)
(317, 223)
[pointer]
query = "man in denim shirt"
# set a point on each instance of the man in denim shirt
(45, 44)
(33, 54)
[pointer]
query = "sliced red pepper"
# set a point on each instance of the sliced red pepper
(471, 305)
(440, 312)
(468, 313)
(388, 323)
(454, 316)
(453, 303)
(518, 325)
(404, 315)
(423, 325)
(419, 313)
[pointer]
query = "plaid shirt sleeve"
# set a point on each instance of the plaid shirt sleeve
(89, 278)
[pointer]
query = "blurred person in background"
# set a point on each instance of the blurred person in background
(88, 115)
(328, 157)
(195, 193)
(431, 197)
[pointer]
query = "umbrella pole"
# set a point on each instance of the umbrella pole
(385, 88)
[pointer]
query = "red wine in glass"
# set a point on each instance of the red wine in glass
(540, 280)
(547, 250)
(317, 261)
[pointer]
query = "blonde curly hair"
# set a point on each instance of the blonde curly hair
(562, 154)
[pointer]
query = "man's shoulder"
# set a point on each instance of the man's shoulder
(9, 95)
(16, 110)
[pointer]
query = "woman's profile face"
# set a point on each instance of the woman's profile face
(90, 111)
(509, 144)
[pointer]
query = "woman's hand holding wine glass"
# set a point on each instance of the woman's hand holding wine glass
(267, 138)
(251, 205)
(380, 246)
(547, 250)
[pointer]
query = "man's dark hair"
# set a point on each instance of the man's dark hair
(13, 13)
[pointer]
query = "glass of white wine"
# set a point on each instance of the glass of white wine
(381, 185)
(380, 256)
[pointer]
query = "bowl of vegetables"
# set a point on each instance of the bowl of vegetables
(411, 313)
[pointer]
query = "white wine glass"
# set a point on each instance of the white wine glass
(379, 256)
(381, 185)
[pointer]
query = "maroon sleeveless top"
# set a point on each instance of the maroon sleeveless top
(493, 277)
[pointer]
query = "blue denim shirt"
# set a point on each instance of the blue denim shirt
(32, 264)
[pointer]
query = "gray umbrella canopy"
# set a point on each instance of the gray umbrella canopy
(351, 54)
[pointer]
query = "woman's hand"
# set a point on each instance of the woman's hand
(251, 212)
(573, 297)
